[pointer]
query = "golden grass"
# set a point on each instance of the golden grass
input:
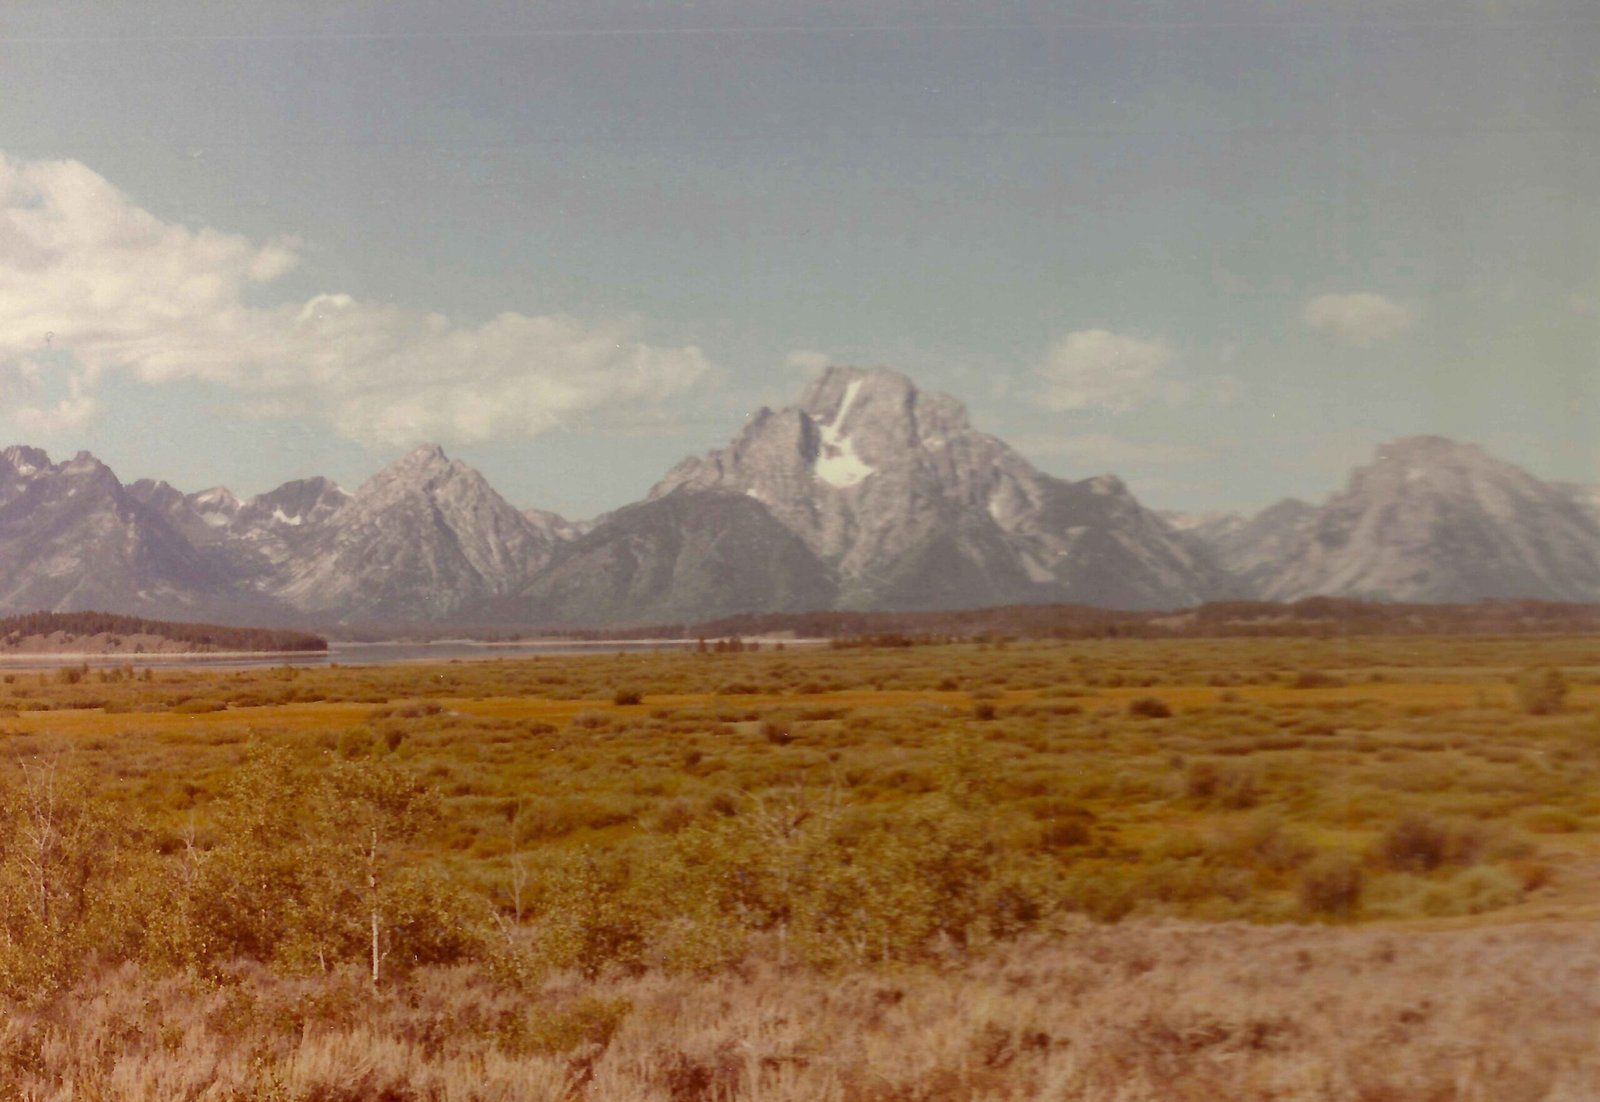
(1418, 724)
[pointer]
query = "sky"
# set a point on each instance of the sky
(1222, 248)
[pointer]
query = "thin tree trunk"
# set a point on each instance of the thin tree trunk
(372, 896)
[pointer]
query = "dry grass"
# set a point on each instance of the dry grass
(1138, 1013)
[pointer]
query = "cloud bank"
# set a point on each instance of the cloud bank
(91, 284)
(1361, 319)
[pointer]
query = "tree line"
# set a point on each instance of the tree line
(13, 629)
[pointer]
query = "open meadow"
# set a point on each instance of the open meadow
(1362, 868)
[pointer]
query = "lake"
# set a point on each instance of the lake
(345, 654)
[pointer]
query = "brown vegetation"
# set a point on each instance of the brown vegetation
(703, 875)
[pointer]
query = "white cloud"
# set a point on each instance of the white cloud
(1099, 369)
(118, 290)
(71, 412)
(1361, 319)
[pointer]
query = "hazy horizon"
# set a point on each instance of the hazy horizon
(1223, 251)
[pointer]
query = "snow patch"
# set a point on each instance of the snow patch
(284, 518)
(837, 463)
(213, 520)
(1036, 570)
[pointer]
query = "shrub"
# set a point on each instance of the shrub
(1542, 690)
(1149, 707)
(1316, 679)
(1231, 786)
(1422, 843)
(624, 697)
(355, 742)
(1330, 886)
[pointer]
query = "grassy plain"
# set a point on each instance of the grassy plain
(1099, 869)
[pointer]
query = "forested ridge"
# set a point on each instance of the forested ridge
(13, 629)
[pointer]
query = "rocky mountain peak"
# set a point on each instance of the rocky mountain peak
(159, 495)
(84, 469)
(218, 503)
(1430, 471)
(1431, 519)
(83, 463)
(25, 460)
(895, 491)
(866, 413)
(422, 458)
(302, 502)
(424, 469)
(423, 538)
(1429, 449)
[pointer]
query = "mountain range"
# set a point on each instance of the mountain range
(868, 494)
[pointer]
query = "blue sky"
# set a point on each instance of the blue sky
(1223, 249)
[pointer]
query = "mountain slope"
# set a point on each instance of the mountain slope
(249, 541)
(1431, 520)
(1254, 549)
(73, 538)
(672, 558)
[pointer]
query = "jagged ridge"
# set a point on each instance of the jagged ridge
(866, 494)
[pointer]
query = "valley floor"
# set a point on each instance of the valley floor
(1348, 870)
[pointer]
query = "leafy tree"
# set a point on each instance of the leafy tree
(64, 857)
(381, 808)
(273, 887)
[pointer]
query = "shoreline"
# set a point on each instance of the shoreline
(153, 656)
(352, 654)
(765, 641)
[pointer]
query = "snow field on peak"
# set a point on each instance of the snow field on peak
(837, 463)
